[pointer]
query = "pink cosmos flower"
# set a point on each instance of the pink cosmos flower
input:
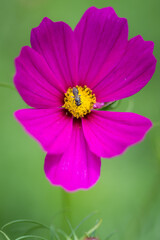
(65, 75)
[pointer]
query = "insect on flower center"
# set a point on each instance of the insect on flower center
(79, 101)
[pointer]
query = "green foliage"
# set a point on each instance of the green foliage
(54, 233)
(127, 195)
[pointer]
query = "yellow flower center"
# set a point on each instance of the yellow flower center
(79, 101)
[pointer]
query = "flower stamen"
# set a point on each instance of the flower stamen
(79, 101)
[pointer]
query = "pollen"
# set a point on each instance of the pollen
(79, 101)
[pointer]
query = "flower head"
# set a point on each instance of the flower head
(65, 76)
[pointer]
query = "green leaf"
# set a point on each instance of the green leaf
(30, 236)
(5, 235)
(94, 228)
(53, 233)
(84, 220)
(24, 221)
(31, 229)
(64, 234)
(72, 230)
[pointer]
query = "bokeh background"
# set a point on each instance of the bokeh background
(127, 196)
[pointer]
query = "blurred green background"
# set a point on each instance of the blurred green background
(127, 196)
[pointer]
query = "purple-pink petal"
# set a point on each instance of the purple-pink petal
(51, 127)
(102, 38)
(55, 41)
(77, 168)
(35, 82)
(108, 134)
(131, 74)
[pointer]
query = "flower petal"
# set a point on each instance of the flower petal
(132, 73)
(55, 41)
(102, 37)
(35, 81)
(51, 127)
(108, 134)
(77, 168)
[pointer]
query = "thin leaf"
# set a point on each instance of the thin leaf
(72, 230)
(24, 221)
(5, 235)
(64, 234)
(84, 220)
(53, 233)
(94, 228)
(31, 229)
(30, 236)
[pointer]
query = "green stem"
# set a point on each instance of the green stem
(66, 207)
(6, 85)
